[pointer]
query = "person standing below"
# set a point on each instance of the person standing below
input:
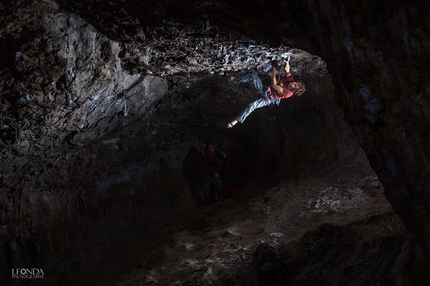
(284, 88)
(211, 159)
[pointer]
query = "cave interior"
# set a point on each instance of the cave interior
(107, 106)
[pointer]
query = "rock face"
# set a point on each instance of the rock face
(377, 58)
(317, 249)
(105, 108)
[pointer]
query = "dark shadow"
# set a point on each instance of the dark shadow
(192, 169)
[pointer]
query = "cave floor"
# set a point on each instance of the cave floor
(214, 246)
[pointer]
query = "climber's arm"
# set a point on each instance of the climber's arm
(287, 67)
(279, 90)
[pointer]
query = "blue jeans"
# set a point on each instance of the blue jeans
(261, 102)
(207, 186)
(253, 79)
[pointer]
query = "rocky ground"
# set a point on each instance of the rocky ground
(341, 208)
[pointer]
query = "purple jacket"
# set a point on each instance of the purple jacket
(210, 162)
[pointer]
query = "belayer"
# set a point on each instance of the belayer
(211, 160)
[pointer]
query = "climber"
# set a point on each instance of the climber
(211, 159)
(284, 88)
